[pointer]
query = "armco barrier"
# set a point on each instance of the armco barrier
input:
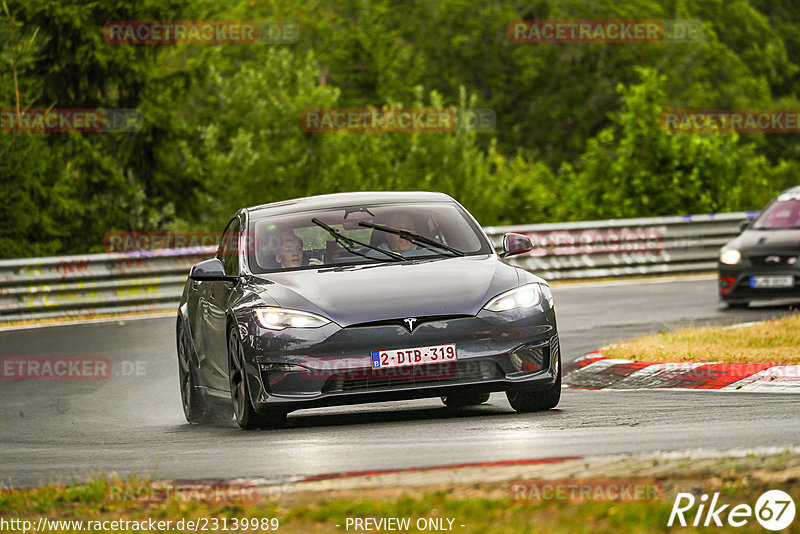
(624, 247)
(119, 282)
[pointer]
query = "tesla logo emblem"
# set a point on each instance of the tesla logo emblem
(772, 259)
(410, 322)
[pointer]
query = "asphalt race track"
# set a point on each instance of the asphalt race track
(132, 423)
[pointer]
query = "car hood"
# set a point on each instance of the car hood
(758, 242)
(367, 293)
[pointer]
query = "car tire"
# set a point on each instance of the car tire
(535, 401)
(244, 413)
(193, 398)
(461, 400)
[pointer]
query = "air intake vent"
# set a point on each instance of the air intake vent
(412, 376)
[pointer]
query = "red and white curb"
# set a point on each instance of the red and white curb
(595, 371)
(554, 468)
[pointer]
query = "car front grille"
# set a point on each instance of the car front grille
(413, 376)
(417, 321)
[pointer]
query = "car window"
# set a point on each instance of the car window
(781, 214)
(228, 252)
(295, 241)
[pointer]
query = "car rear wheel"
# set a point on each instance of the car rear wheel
(469, 399)
(243, 411)
(195, 404)
(534, 401)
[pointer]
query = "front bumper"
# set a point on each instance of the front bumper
(330, 366)
(735, 286)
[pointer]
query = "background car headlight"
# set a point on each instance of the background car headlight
(526, 296)
(730, 256)
(280, 318)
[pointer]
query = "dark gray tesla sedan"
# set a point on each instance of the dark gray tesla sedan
(363, 297)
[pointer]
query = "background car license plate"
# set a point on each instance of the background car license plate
(382, 359)
(772, 281)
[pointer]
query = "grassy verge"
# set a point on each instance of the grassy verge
(772, 342)
(481, 507)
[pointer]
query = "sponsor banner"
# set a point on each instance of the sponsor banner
(200, 32)
(731, 120)
(71, 120)
(606, 31)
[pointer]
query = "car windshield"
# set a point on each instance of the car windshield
(782, 214)
(352, 235)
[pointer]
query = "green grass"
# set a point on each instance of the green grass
(774, 342)
(483, 508)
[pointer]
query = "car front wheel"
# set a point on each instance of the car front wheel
(534, 401)
(243, 411)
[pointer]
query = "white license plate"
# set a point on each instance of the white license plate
(383, 359)
(772, 281)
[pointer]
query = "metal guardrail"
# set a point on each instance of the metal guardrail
(624, 247)
(90, 284)
(121, 282)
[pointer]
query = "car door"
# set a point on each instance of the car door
(217, 297)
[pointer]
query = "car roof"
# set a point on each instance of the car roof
(795, 190)
(335, 200)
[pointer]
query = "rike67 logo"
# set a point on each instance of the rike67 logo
(774, 510)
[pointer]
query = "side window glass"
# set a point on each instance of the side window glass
(228, 252)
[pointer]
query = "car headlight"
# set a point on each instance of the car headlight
(730, 256)
(280, 318)
(526, 296)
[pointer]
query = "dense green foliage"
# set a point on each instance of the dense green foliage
(577, 134)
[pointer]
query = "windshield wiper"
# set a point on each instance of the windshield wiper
(347, 243)
(414, 238)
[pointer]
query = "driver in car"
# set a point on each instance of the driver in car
(290, 253)
(396, 243)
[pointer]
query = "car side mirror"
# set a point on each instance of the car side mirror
(745, 224)
(514, 244)
(209, 270)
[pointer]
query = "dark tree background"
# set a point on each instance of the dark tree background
(577, 134)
